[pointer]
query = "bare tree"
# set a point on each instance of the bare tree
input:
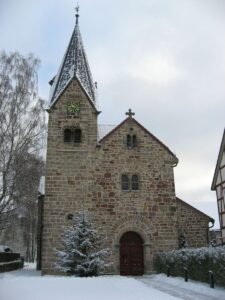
(22, 125)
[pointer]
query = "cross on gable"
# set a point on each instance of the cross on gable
(130, 113)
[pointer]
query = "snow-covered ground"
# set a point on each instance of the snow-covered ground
(28, 284)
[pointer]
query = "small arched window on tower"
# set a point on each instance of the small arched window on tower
(67, 135)
(134, 183)
(125, 182)
(77, 135)
(129, 141)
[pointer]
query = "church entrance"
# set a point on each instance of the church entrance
(131, 254)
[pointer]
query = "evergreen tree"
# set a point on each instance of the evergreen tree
(82, 254)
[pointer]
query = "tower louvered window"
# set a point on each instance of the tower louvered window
(67, 135)
(77, 135)
(72, 135)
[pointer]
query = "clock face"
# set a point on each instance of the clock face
(73, 107)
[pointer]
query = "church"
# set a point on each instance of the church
(122, 175)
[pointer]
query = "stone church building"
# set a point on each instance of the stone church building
(122, 175)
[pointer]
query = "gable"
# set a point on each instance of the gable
(73, 88)
(142, 128)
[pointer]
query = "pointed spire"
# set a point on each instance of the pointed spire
(74, 66)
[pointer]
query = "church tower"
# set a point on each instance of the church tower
(73, 97)
(72, 137)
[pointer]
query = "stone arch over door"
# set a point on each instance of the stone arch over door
(131, 254)
(142, 226)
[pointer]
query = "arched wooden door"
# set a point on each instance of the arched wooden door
(131, 254)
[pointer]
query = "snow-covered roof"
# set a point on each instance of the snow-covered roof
(103, 130)
(73, 66)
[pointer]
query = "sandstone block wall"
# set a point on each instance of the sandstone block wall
(87, 176)
(194, 223)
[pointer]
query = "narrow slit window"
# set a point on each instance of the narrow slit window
(134, 183)
(125, 182)
(77, 135)
(67, 135)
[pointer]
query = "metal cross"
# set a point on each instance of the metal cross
(130, 113)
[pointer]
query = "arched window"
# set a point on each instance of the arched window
(67, 135)
(77, 135)
(125, 182)
(129, 141)
(134, 183)
(134, 141)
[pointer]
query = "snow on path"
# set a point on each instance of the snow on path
(176, 287)
(28, 284)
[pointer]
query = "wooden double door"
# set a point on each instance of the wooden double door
(131, 254)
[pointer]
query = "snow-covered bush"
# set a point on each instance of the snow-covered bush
(198, 262)
(82, 254)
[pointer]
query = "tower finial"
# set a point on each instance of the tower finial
(77, 14)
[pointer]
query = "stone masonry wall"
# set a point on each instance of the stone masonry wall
(193, 223)
(150, 211)
(88, 177)
(66, 169)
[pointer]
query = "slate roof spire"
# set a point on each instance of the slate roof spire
(73, 66)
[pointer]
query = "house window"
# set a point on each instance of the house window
(125, 182)
(67, 135)
(77, 135)
(134, 183)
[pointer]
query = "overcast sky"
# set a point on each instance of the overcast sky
(165, 59)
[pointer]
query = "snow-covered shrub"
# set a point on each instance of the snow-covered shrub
(198, 262)
(82, 254)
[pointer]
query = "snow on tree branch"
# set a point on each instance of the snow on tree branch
(82, 254)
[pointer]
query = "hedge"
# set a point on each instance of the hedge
(197, 261)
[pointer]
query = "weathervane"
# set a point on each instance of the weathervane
(77, 14)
